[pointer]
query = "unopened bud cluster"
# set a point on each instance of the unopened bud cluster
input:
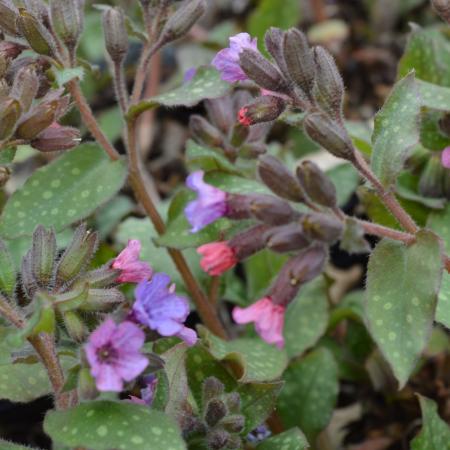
(221, 420)
(61, 284)
(29, 108)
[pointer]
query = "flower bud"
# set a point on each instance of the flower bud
(116, 37)
(270, 209)
(299, 60)
(264, 109)
(11, 50)
(211, 388)
(279, 179)
(248, 242)
(77, 255)
(252, 150)
(25, 87)
(37, 36)
(8, 18)
(431, 183)
(273, 40)
(215, 410)
(239, 134)
(286, 238)
(329, 88)
(322, 227)
(319, 188)
(55, 138)
(10, 111)
(233, 424)
(300, 269)
(220, 112)
(183, 19)
(233, 402)
(204, 132)
(329, 135)
(442, 7)
(86, 385)
(103, 277)
(218, 440)
(29, 283)
(37, 120)
(102, 299)
(234, 442)
(74, 325)
(67, 21)
(43, 253)
(261, 71)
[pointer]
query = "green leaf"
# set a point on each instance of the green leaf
(26, 382)
(234, 184)
(292, 439)
(7, 155)
(269, 14)
(249, 359)
(306, 318)
(63, 192)
(361, 133)
(431, 136)
(258, 402)
(63, 76)
(309, 395)
(200, 157)
(435, 433)
(103, 425)
(7, 270)
(396, 130)
(206, 84)
(346, 179)
(439, 222)
(353, 240)
(402, 288)
(111, 123)
(428, 53)
(5, 445)
(434, 96)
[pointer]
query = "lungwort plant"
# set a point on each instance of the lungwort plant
(96, 305)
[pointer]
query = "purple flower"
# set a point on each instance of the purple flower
(160, 309)
(445, 157)
(227, 60)
(113, 352)
(208, 207)
(147, 393)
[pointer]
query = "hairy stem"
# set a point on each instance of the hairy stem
(388, 199)
(382, 231)
(44, 345)
(204, 307)
(120, 86)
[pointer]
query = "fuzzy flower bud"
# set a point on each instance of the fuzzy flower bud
(204, 132)
(10, 112)
(8, 17)
(329, 135)
(273, 40)
(322, 227)
(25, 87)
(56, 138)
(279, 179)
(215, 410)
(287, 238)
(264, 109)
(442, 7)
(319, 188)
(68, 20)
(183, 19)
(218, 257)
(37, 120)
(262, 71)
(116, 37)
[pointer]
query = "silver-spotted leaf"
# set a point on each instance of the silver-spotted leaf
(63, 192)
(292, 439)
(396, 130)
(103, 425)
(435, 433)
(402, 287)
(309, 395)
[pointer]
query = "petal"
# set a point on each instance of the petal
(102, 334)
(195, 180)
(128, 337)
(166, 327)
(188, 335)
(445, 157)
(171, 307)
(108, 379)
(252, 313)
(129, 367)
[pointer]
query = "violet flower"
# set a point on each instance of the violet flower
(132, 270)
(161, 310)
(227, 60)
(209, 206)
(113, 352)
(147, 393)
(268, 318)
(445, 157)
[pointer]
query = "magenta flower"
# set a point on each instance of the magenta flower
(445, 157)
(132, 269)
(209, 206)
(113, 352)
(227, 60)
(268, 318)
(160, 309)
(218, 257)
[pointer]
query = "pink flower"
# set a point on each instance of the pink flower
(243, 117)
(268, 318)
(218, 257)
(132, 270)
(113, 352)
(227, 60)
(445, 157)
